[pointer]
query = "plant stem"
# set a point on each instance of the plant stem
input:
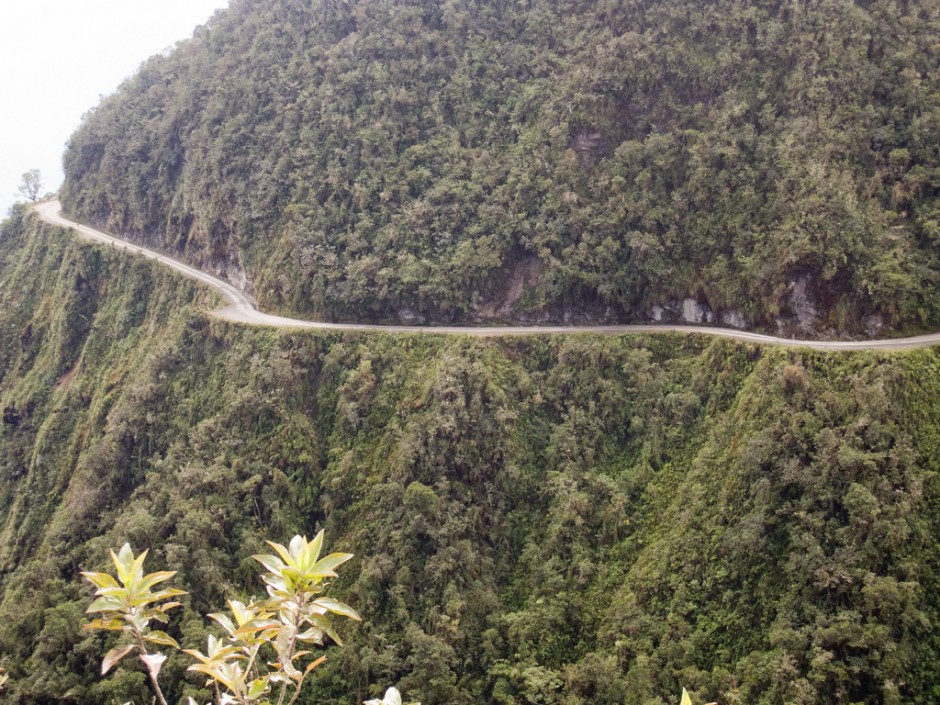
(296, 692)
(251, 661)
(299, 600)
(153, 678)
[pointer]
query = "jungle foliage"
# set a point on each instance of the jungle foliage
(543, 521)
(468, 159)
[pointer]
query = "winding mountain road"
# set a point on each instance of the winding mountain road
(242, 308)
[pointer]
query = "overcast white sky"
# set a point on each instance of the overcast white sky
(58, 57)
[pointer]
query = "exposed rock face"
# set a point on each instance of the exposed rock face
(802, 305)
(694, 312)
(524, 276)
(874, 324)
(406, 315)
(732, 318)
(687, 311)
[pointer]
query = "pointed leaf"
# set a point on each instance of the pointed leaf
(196, 655)
(137, 567)
(105, 604)
(282, 552)
(225, 621)
(167, 606)
(313, 550)
(214, 674)
(258, 625)
(326, 566)
(123, 562)
(314, 635)
(272, 563)
(337, 607)
(297, 546)
(242, 613)
(153, 578)
(115, 655)
(314, 664)
(162, 638)
(115, 625)
(102, 580)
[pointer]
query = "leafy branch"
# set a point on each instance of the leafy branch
(127, 604)
(294, 616)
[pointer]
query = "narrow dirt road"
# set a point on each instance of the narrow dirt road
(242, 308)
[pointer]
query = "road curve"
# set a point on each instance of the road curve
(242, 308)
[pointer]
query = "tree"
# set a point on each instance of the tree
(30, 185)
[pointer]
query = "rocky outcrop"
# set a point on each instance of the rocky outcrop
(802, 305)
(732, 318)
(690, 310)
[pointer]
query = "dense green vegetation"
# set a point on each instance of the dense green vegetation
(544, 158)
(539, 521)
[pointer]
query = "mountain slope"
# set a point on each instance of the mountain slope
(560, 521)
(775, 162)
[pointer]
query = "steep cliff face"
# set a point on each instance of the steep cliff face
(551, 520)
(375, 159)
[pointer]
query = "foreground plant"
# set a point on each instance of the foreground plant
(294, 614)
(128, 604)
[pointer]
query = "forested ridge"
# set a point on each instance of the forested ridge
(548, 520)
(542, 521)
(777, 162)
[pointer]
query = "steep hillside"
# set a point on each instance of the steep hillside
(553, 521)
(765, 163)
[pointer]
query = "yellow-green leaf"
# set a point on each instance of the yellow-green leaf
(162, 638)
(241, 613)
(153, 578)
(312, 551)
(115, 625)
(257, 625)
(283, 553)
(272, 563)
(337, 607)
(225, 621)
(108, 603)
(123, 561)
(214, 674)
(257, 688)
(325, 568)
(101, 580)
